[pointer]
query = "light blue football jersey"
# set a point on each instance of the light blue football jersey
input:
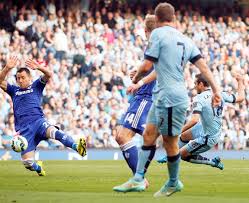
(170, 50)
(211, 118)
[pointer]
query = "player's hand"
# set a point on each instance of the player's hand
(216, 99)
(11, 62)
(32, 64)
(132, 89)
(132, 74)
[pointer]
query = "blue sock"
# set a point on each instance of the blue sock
(145, 156)
(36, 167)
(130, 154)
(64, 139)
(173, 168)
(181, 143)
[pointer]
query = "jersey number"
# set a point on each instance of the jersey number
(183, 51)
(218, 110)
(129, 118)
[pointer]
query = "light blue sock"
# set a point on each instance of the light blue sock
(36, 167)
(173, 169)
(181, 143)
(145, 156)
(198, 159)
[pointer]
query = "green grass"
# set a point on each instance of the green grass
(92, 181)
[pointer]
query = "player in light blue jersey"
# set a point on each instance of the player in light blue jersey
(134, 120)
(29, 118)
(200, 136)
(169, 50)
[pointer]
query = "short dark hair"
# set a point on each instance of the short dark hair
(165, 12)
(200, 78)
(23, 69)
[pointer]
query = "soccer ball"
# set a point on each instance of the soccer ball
(19, 143)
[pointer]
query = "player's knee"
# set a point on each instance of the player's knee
(28, 164)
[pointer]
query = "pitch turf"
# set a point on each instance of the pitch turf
(92, 181)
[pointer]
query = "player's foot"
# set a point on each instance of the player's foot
(81, 147)
(162, 160)
(131, 186)
(42, 173)
(167, 190)
(218, 163)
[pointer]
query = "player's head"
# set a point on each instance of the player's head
(150, 24)
(23, 77)
(201, 83)
(165, 12)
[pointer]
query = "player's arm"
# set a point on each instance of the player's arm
(241, 89)
(143, 69)
(11, 63)
(194, 119)
(151, 55)
(36, 66)
(202, 66)
(149, 78)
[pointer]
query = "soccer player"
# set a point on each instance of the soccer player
(169, 50)
(29, 117)
(134, 119)
(198, 137)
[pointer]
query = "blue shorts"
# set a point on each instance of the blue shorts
(201, 142)
(136, 115)
(34, 133)
(168, 120)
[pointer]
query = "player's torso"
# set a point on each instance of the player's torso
(146, 90)
(211, 117)
(26, 104)
(175, 49)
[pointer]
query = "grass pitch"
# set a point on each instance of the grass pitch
(92, 181)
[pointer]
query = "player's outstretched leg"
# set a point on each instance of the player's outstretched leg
(198, 159)
(67, 140)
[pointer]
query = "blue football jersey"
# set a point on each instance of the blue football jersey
(26, 103)
(146, 89)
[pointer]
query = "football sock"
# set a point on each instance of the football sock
(64, 138)
(36, 167)
(145, 156)
(173, 169)
(198, 159)
(181, 143)
(130, 154)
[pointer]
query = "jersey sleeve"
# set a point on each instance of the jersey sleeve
(197, 106)
(11, 89)
(230, 98)
(195, 54)
(39, 84)
(153, 48)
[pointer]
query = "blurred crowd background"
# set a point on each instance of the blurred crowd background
(91, 47)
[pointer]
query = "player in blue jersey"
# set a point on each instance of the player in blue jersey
(200, 136)
(169, 50)
(134, 120)
(29, 118)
